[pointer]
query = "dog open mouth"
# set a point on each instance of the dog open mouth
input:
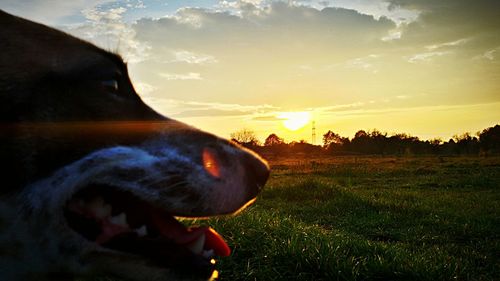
(120, 205)
(120, 221)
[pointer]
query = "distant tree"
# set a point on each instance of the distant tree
(449, 147)
(333, 142)
(436, 141)
(273, 140)
(435, 145)
(466, 143)
(378, 142)
(361, 143)
(489, 140)
(331, 137)
(245, 137)
(403, 143)
(303, 146)
(360, 134)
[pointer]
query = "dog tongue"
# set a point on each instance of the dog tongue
(214, 241)
(170, 228)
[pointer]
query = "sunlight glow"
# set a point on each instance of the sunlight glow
(295, 120)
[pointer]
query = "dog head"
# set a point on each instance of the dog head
(95, 177)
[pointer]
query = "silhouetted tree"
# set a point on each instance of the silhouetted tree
(449, 147)
(377, 142)
(466, 144)
(273, 140)
(275, 145)
(360, 134)
(331, 137)
(304, 147)
(406, 144)
(435, 145)
(489, 140)
(361, 143)
(333, 142)
(246, 138)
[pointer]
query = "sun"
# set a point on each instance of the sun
(295, 120)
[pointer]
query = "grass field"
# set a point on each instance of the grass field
(369, 218)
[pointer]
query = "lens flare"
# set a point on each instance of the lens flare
(210, 162)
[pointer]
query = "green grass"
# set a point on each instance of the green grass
(370, 219)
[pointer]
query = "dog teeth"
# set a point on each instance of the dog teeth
(141, 231)
(120, 219)
(197, 245)
(208, 253)
(103, 212)
(99, 208)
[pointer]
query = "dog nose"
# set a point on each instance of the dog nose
(258, 172)
(255, 171)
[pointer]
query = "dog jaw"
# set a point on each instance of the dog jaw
(164, 177)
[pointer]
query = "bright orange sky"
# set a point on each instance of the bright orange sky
(427, 68)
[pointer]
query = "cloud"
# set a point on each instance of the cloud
(339, 107)
(144, 89)
(192, 58)
(377, 8)
(450, 20)
(138, 5)
(200, 109)
(267, 118)
(394, 34)
(106, 28)
(434, 108)
(187, 76)
(247, 52)
(488, 55)
(363, 109)
(225, 106)
(208, 113)
(278, 23)
(222, 106)
(426, 57)
(363, 63)
(111, 15)
(238, 3)
(455, 43)
(49, 12)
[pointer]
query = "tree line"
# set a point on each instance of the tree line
(375, 142)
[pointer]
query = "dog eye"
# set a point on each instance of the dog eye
(110, 85)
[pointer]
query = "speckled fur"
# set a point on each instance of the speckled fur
(35, 239)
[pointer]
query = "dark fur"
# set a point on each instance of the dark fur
(62, 127)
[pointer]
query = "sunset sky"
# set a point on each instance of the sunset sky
(428, 68)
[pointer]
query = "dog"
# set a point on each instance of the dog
(93, 179)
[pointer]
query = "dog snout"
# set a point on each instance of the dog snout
(211, 162)
(256, 169)
(257, 173)
(241, 168)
